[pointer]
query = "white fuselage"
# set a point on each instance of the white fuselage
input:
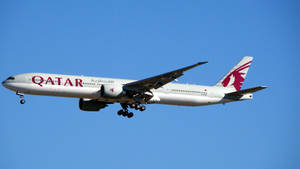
(89, 87)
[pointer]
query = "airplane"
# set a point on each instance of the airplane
(96, 93)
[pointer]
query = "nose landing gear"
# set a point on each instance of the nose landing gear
(21, 95)
(22, 101)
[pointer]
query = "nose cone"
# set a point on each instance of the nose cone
(9, 83)
(4, 83)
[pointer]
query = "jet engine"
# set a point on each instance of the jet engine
(112, 90)
(91, 105)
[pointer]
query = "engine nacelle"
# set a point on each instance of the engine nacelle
(91, 105)
(112, 90)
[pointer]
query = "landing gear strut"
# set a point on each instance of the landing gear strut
(21, 95)
(124, 111)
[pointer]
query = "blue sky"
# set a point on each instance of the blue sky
(138, 39)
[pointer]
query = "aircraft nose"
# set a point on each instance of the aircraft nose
(3, 82)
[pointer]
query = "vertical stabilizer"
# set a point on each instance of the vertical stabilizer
(236, 76)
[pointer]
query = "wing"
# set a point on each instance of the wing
(158, 81)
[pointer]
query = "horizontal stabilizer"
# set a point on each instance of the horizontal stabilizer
(246, 91)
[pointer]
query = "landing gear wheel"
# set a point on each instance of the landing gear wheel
(143, 108)
(124, 111)
(132, 105)
(120, 112)
(129, 115)
(124, 114)
(137, 107)
(22, 101)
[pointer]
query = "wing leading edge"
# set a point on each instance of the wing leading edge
(159, 80)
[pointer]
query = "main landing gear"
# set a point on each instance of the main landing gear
(21, 95)
(137, 106)
(124, 111)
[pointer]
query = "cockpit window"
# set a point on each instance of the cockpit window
(11, 78)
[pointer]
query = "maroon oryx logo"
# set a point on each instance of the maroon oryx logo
(238, 77)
